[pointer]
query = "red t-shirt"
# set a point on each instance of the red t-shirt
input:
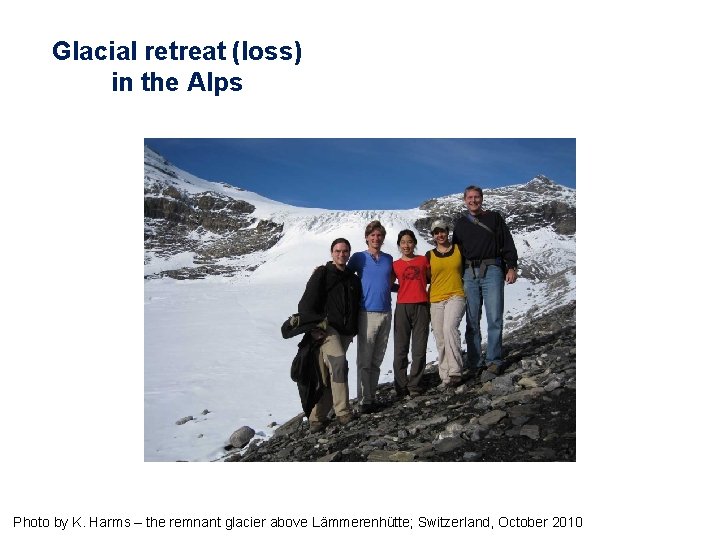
(412, 277)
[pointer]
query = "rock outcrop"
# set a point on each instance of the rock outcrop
(526, 207)
(216, 229)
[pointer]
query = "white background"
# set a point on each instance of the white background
(634, 82)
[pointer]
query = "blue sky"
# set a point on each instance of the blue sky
(376, 174)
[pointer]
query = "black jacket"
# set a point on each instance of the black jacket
(335, 294)
(305, 371)
(477, 243)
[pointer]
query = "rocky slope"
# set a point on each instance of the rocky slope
(526, 207)
(525, 414)
(212, 226)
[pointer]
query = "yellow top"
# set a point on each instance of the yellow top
(445, 274)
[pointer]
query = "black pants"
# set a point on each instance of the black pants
(412, 324)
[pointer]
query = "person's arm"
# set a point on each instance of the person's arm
(456, 234)
(353, 263)
(509, 253)
(394, 287)
(309, 303)
(427, 275)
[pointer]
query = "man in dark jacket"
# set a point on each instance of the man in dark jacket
(490, 261)
(333, 292)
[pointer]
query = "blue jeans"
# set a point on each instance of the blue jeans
(488, 290)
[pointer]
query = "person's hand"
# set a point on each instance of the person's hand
(318, 334)
(511, 276)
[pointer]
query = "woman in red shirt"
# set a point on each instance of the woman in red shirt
(412, 316)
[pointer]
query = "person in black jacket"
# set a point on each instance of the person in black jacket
(490, 261)
(334, 293)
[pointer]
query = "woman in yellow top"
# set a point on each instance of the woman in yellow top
(447, 303)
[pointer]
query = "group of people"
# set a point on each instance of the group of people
(354, 295)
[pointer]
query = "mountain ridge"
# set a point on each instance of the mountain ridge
(221, 223)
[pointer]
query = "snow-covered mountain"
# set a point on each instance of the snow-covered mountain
(224, 267)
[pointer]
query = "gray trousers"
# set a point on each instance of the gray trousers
(334, 369)
(446, 317)
(411, 326)
(373, 333)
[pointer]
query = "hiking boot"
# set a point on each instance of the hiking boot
(454, 382)
(346, 418)
(495, 369)
(366, 408)
(415, 392)
(317, 427)
(401, 393)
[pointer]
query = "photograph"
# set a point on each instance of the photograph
(359, 300)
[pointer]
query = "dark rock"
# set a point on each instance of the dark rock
(483, 403)
(379, 455)
(493, 417)
(330, 457)
(544, 453)
(502, 385)
(291, 426)
(531, 431)
(479, 433)
(450, 444)
(486, 376)
(242, 436)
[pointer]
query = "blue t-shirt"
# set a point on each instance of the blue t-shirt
(375, 278)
